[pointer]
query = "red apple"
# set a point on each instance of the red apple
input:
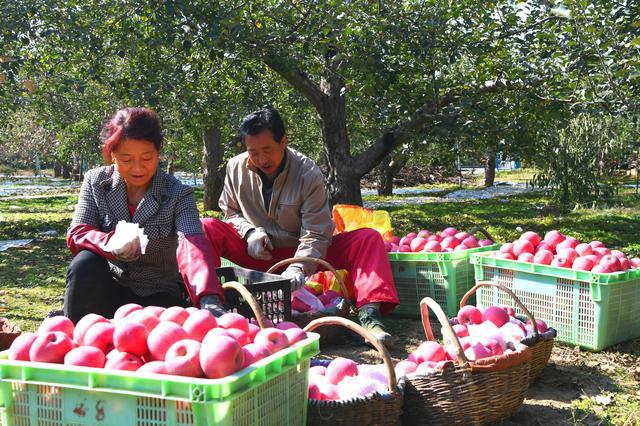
(153, 367)
(404, 249)
(405, 367)
(294, 335)
(484, 243)
(510, 311)
(583, 264)
(449, 243)
(507, 248)
(423, 233)
(339, 368)
(611, 262)
(450, 231)
(57, 323)
(553, 238)
(544, 246)
(561, 262)
(428, 351)
(131, 337)
(19, 350)
(85, 356)
(233, 320)
(406, 240)
(600, 269)
(318, 369)
(417, 244)
(471, 242)
(273, 338)
(568, 242)
(469, 315)
(100, 335)
(542, 326)
(601, 251)
(199, 323)
(183, 358)
(476, 352)
(461, 235)
(123, 361)
(506, 256)
(395, 240)
(532, 237)
(526, 257)
(240, 336)
(432, 247)
(162, 337)
(460, 330)
(220, 356)
(176, 314)
(83, 325)
(253, 330)
(496, 315)
(596, 244)
(50, 346)
(620, 255)
(144, 317)
(584, 249)
(254, 352)
(568, 253)
(434, 237)
(522, 246)
(156, 311)
(125, 310)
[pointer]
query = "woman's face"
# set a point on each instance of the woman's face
(137, 161)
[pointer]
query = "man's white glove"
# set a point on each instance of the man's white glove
(259, 245)
(129, 252)
(296, 275)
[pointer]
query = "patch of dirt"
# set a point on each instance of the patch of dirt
(570, 375)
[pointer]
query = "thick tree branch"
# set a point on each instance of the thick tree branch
(297, 78)
(392, 138)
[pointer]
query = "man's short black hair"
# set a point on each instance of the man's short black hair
(263, 119)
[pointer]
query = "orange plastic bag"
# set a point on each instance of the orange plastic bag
(348, 217)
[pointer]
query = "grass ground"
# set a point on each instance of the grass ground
(590, 388)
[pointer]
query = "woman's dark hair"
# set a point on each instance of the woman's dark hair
(130, 123)
(266, 118)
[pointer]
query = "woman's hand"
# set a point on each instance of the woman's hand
(130, 252)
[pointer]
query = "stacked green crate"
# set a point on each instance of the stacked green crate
(445, 277)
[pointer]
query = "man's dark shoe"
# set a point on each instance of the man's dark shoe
(370, 320)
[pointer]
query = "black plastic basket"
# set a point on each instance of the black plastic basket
(272, 292)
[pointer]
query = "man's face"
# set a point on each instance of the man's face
(265, 153)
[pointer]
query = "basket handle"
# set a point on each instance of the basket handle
(382, 350)
(481, 230)
(447, 330)
(324, 263)
(248, 297)
(515, 298)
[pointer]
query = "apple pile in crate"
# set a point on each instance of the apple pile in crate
(482, 333)
(185, 342)
(344, 379)
(449, 239)
(556, 249)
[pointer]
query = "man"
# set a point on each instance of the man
(275, 207)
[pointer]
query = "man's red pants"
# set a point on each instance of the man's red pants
(361, 252)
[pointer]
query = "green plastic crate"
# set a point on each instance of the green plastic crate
(272, 391)
(587, 309)
(445, 277)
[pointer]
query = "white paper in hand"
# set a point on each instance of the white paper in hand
(125, 232)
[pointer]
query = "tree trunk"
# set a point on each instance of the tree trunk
(66, 171)
(490, 168)
(387, 171)
(213, 176)
(343, 179)
(57, 169)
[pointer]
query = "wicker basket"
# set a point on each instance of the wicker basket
(374, 409)
(327, 334)
(541, 344)
(8, 333)
(464, 392)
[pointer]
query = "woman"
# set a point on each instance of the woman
(177, 265)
